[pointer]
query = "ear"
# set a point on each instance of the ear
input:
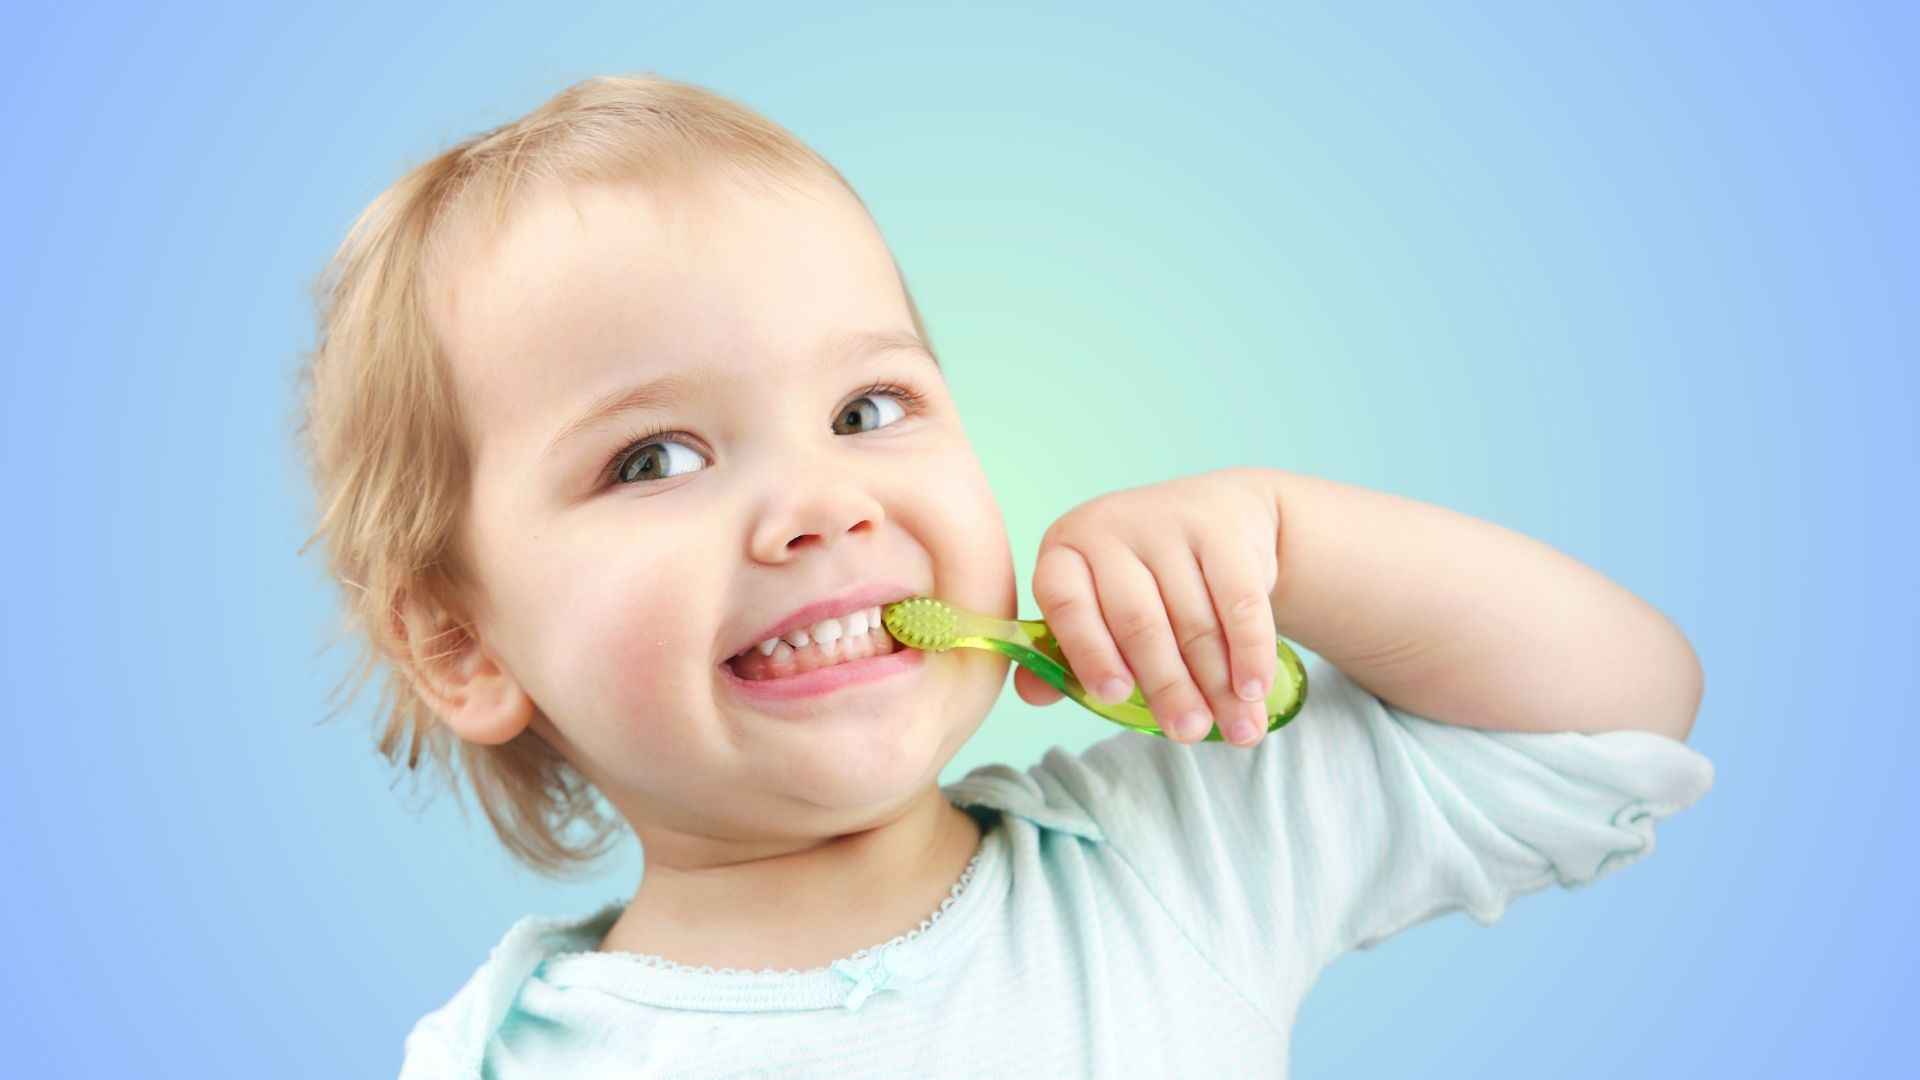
(458, 675)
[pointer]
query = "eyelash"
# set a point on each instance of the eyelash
(910, 399)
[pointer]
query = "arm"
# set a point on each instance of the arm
(1461, 621)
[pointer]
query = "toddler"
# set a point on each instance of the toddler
(625, 426)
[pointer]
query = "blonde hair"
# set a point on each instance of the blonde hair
(383, 436)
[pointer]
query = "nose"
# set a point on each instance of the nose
(814, 515)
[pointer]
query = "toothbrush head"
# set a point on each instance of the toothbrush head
(921, 622)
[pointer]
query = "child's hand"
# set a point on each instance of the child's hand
(1168, 587)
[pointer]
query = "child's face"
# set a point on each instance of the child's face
(611, 602)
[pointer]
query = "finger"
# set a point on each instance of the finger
(1063, 587)
(1033, 689)
(1241, 582)
(1201, 641)
(1136, 616)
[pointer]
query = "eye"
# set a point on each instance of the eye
(869, 416)
(648, 458)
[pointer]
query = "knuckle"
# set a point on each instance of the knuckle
(1134, 625)
(1246, 608)
(1057, 596)
(1064, 528)
(1166, 691)
(1056, 548)
(1055, 567)
(1191, 640)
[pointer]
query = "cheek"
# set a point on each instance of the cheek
(626, 644)
(624, 666)
(974, 536)
(645, 651)
(649, 662)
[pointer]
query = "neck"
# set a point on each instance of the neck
(804, 906)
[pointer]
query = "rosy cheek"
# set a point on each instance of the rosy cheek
(647, 659)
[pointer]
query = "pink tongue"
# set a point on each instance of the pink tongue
(755, 666)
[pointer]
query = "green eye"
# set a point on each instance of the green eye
(649, 461)
(864, 412)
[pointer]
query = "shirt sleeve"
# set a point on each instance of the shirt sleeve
(1358, 820)
(451, 1042)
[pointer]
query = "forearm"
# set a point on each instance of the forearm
(1459, 620)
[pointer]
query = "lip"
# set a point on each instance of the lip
(843, 603)
(902, 660)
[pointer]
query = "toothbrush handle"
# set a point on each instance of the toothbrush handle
(1041, 654)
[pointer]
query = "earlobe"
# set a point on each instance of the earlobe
(459, 677)
(494, 709)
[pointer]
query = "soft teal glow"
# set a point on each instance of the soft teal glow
(1637, 283)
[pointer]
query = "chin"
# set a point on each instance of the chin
(862, 778)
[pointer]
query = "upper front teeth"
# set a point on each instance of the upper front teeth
(826, 631)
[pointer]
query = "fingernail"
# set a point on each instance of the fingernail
(1114, 690)
(1195, 725)
(1245, 731)
(1250, 690)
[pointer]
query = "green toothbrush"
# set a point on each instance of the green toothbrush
(922, 622)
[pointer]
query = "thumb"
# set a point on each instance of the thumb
(1032, 688)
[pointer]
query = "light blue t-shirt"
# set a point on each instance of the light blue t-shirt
(1142, 908)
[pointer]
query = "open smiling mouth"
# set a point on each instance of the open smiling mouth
(827, 643)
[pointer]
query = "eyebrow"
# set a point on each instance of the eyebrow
(667, 390)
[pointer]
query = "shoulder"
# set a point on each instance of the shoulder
(1044, 794)
(452, 1040)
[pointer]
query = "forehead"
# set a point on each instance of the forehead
(591, 287)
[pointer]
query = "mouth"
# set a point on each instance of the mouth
(840, 643)
(842, 629)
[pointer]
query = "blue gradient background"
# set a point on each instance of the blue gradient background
(1639, 283)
